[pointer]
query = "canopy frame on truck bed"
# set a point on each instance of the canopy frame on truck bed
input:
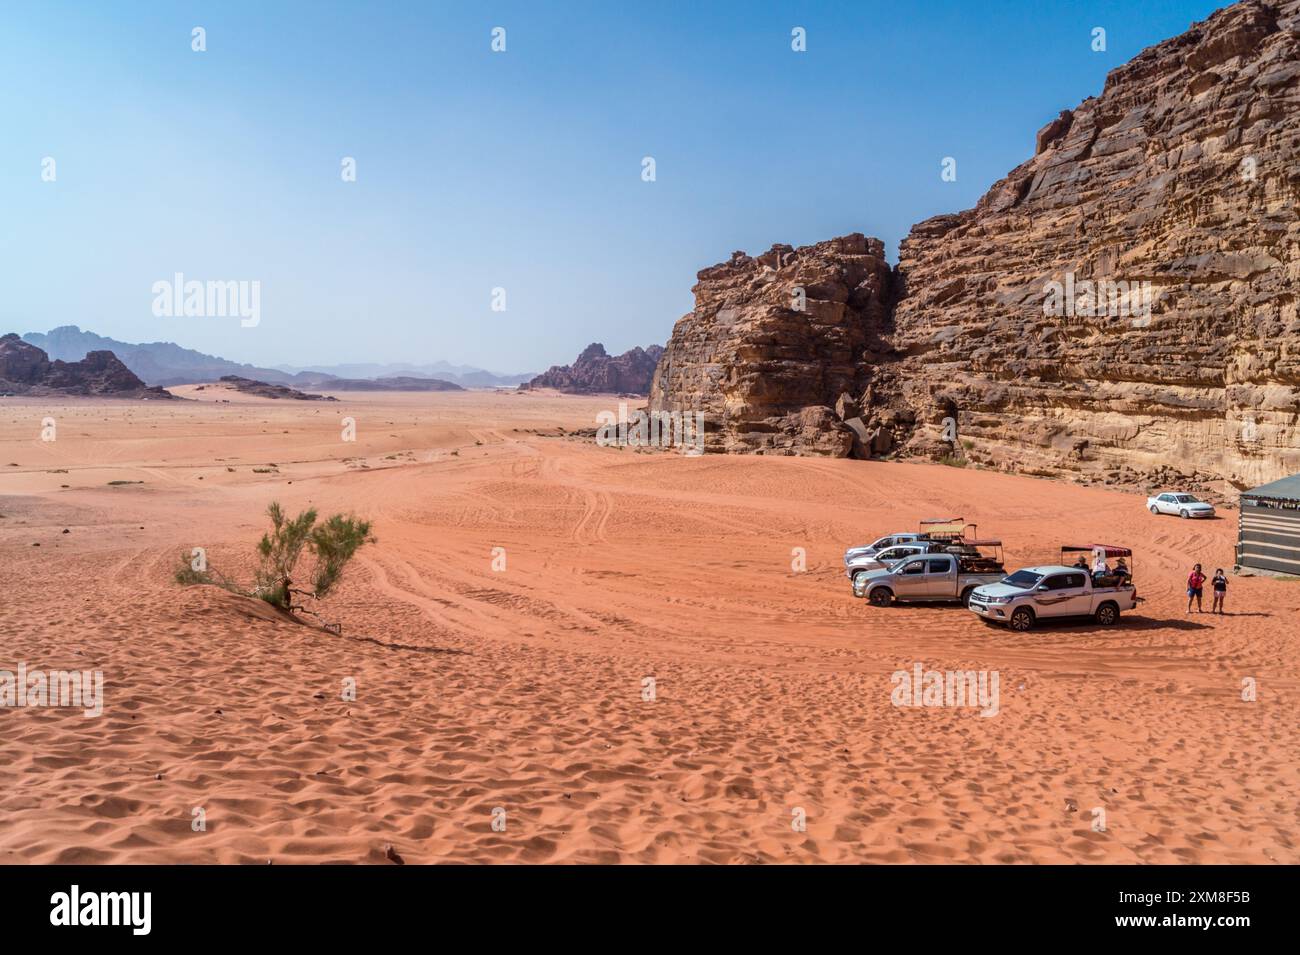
(946, 528)
(1108, 551)
(973, 564)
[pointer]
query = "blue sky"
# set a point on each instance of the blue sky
(477, 170)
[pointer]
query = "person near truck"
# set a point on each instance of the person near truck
(1100, 569)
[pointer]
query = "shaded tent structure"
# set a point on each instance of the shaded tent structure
(1268, 527)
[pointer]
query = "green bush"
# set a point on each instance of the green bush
(332, 543)
(186, 574)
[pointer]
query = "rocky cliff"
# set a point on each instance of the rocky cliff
(27, 370)
(596, 372)
(1177, 187)
(780, 347)
(1121, 305)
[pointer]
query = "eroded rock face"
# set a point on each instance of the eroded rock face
(1184, 174)
(1178, 186)
(596, 372)
(27, 370)
(779, 348)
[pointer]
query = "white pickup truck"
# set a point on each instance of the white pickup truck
(1036, 593)
(926, 577)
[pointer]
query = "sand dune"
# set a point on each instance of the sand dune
(521, 689)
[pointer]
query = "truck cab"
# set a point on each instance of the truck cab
(890, 555)
(883, 543)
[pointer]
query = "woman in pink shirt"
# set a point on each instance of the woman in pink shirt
(1195, 581)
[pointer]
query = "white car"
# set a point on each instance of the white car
(1022, 599)
(1184, 505)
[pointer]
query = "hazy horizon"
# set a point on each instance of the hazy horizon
(354, 362)
(134, 157)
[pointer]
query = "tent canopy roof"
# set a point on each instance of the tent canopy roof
(1288, 487)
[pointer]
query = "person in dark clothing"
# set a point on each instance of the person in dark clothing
(1220, 585)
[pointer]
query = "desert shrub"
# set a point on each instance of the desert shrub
(953, 461)
(331, 544)
(186, 574)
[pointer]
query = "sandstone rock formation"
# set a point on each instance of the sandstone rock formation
(1177, 187)
(596, 372)
(778, 350)
(1185, 174)
(27, 370)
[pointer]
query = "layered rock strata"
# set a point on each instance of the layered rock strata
(1121, 307)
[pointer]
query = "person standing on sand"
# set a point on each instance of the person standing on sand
(1220, 584)
(1195, 581)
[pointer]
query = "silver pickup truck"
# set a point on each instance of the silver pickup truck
(928, 577)
(890, 555)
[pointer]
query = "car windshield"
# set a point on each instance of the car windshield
(1185, 499)
(1023, 578)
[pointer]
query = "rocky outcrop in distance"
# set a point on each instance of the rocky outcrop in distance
(596, 372)
(264, 389)
(1122, 307)
(27, 370)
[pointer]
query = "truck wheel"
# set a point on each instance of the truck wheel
(1183, 514)
(965, 596)
(1107, 614)
(1022, 619)
(881, 597)
(1155, 510)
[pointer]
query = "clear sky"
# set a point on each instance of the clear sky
(475, 170)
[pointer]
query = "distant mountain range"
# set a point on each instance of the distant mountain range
(466, 376)
(165, 363)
